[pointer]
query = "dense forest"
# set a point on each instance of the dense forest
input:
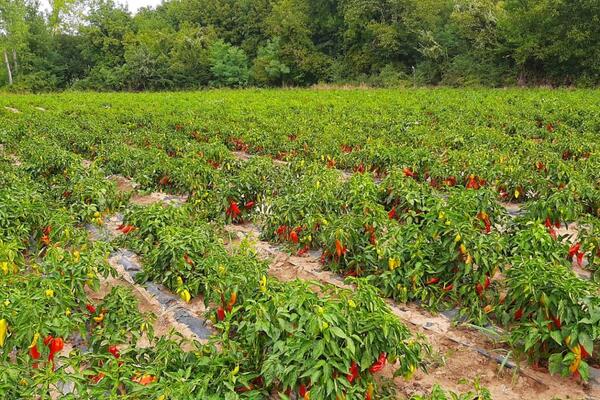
(188, 44)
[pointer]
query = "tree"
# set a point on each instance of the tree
(555, 39)
(13, 33)
(228, 65)
(289, 22)
(268, 68)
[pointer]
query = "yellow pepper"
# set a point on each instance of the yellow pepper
(263, 284)
(185, 295)
(35, 340)
(3, 331)
(49, 293)
(411, 371)
(393, 264)
(99, 318)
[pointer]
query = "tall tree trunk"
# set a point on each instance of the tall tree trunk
(10, 79)
(16, 65)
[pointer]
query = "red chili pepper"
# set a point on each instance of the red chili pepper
(293, 237)
(249, 204)
(114, 351)
(187, 259)
(91, 308)
(580, 258)
(557, 224)
(97, 378)
(408, 172)
(574, 249)
(339, 248)
(234, 210)
(432, 281)
(518, 314)
(55, 345)
(557, 322)
(281, 230)
(448, 288)
(244, 389)
(479, 289)
(47, 340)
(352, 272)
(220, 313)
(302, 390)
(35, 354)
(303, 250)
(354, 372)
(378, 365)
(584, 353)
(392, 213)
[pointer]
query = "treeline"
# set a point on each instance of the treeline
(187, 44)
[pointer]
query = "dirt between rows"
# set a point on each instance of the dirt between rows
(459, 353)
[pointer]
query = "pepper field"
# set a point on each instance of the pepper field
(300, 244)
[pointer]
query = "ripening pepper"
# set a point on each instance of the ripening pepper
(370, 390)
(232, 301)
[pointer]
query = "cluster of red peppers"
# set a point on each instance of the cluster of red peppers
(575, 251)
(55, 345)
(288, 234)
(234, 211)
(126, 228)
(474, 182)
(239, 144)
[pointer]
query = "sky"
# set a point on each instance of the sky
(132, 5)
